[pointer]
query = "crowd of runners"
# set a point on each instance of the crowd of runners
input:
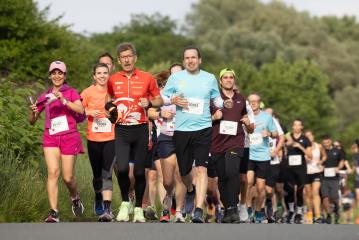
(185, 146)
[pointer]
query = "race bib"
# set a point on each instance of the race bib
(101, 125)
(357, 170)
(329, 172)
(228, 127)
(170, 126)
(275, 161)
(195, 106)
(295, 160)
(58, 124)
(255, 139)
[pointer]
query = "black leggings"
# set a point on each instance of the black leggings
(295, 177)
(227, 168)
(131, 139)
(102, 156)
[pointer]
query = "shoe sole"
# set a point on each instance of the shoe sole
(197, 220)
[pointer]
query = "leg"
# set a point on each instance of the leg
(52, 159)
(68, 164)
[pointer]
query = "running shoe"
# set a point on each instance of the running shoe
(165, 218)
(328, 220)
(123, 214)
(231, 215)
(269, 211)
(150, 213)
(290, 218)
(298, 218)
(259, 217)
(189, 201)
(243, 213)
(98, 207)
(219, 214)
(179, 217)
(107, 216)
(279, 213)
(309, 218)
(173, 206)
(197, 216)
(53, 217)
(318, 220)
(77, 206)
(138, 215)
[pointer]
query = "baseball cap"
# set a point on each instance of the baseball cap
(57, 65)
(226, 70)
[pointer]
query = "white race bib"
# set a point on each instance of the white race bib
(255, 139)
(329, 172)
(170, 125)
(195, 106)
(295, 160)
(357, 170)
(58, 124)
(101, 125)
(228, 127)
(275, 161)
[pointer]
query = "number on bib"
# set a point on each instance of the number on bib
(295, 160)
(228, 127)
(58, 124)
(195, 106)
(101, 125)
(329, 172)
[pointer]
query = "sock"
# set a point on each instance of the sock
(291, 207)
(300, 210)
(107, 204)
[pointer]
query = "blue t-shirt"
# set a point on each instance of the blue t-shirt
(198, 89)
(259, 149)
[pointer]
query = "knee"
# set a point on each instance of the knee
(68, 179)
(201, 170)
(53, 174)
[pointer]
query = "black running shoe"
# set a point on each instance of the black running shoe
(53, 217)
(198, 216)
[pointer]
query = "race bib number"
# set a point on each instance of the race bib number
(295, 160)
(195, 106)
(228, 127)
(255, 139)
(329, 172)
(58, 124)
(101, 125)
(275, 161)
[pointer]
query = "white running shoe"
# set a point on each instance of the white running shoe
(243, 213)
(138, 215)
(123, 214)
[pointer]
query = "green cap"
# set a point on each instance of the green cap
(226, 70)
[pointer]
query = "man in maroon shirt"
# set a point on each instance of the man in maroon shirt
(228, 143)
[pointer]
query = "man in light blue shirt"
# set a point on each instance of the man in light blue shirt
(191, 91)
(259, 151)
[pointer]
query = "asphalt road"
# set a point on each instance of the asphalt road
(145, 231)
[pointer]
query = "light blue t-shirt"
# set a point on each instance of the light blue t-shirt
(198, 89)
(259, 149)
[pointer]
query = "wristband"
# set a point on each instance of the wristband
(64, 101)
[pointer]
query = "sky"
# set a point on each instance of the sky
(88, 16)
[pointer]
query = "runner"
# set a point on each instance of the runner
(61, 140)
(100, 141)
(355, 156)
(274, 174)
(313, 178)
(299, 148)
(330, 181)
(228, 143)
(191, 90)
(259, 152)
(133, 91)
(107, 59)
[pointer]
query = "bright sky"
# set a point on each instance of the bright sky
(88, 16)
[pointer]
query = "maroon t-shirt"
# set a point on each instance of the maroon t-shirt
(222, 143)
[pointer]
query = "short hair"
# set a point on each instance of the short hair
(192, 48)
(326, 136)
(255, 94)
(98, 65)
(106, 54)
(299, 120)
(126, 46)
(176, 65)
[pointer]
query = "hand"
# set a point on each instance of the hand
(228, 103)
(34, 108)
(144, 102)
(217, 115)
(59, 95)
(93, 113)
(245, 120)
(167, 114)
(265, 133)
(296, 145)
(179, 101)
